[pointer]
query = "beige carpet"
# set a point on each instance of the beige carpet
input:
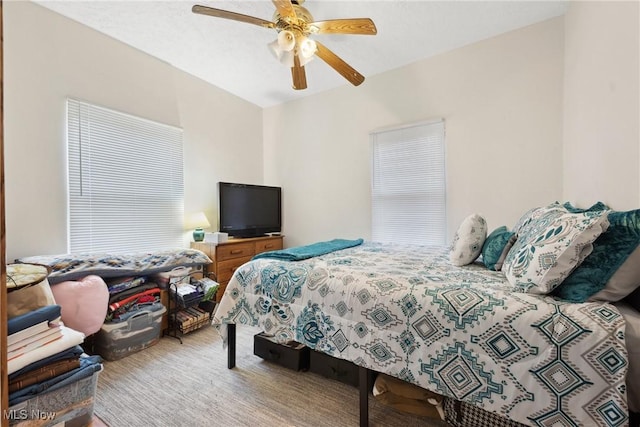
(173, 384)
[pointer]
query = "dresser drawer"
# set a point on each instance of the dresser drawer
(238, 250)
(227, 268)
(268, 245)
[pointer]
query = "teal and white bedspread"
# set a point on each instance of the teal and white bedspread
(458, 331)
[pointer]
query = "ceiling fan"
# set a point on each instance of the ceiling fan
(294, 47)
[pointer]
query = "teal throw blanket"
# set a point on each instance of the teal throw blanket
(316, 249)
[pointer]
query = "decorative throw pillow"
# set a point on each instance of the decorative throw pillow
(531, 215)
(496, 247)
(84, 303)
(551, 246)
(598, 206)
(467, 242)
(612, 270)
(524, 220)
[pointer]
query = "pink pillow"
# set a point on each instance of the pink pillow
(83, 303)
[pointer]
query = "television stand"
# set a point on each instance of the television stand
(230, 255)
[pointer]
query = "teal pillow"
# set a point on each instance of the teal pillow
(611, 271)
(496, 246)
(598, 206)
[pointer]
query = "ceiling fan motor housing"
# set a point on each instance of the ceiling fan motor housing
(298, 24)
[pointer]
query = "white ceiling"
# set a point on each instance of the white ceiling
(234, 55)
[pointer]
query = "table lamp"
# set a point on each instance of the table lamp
(198, 221)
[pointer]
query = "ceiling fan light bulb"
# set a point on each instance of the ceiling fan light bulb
(308, 48)
(286, 40)
(274, 48)
(286, 59)
(304, 61)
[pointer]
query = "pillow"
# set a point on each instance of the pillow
(551, 246)
(30, 298)
(531, 215)
(496, 247)
(83, 303)
(524, 220)
(598, 206)
(612, 270)
(468, 240)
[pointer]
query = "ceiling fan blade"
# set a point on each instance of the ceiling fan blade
(339, 65)
(219, 13)
(284, 8)
(344, 26)
(298, 74)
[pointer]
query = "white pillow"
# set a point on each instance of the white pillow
(467, 242)
(550, 247)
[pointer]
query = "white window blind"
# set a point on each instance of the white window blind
(408, 185)
(126, 190)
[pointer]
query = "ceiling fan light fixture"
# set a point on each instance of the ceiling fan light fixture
(274, 48)
(286, 40)
(307, 48)
(286, 59)
(304, 61)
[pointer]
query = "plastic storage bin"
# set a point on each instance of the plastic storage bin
(71, 406)
(117, 340)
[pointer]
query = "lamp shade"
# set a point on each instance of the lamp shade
(286, 40)
(197, 220)
(307, 48)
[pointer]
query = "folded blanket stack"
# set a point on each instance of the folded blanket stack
(43, 355)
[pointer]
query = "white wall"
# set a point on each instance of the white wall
(502, 102)
(47, 58)
(601, 107)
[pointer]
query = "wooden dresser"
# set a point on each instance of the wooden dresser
(230, 255)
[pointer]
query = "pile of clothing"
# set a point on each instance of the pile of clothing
(129, 295)
(43, 355)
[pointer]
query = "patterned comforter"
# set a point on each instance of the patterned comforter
(74, 266)
(457, 331)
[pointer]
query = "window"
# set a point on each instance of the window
(126, 190)
(408, 185)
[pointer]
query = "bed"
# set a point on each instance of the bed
(463, 331)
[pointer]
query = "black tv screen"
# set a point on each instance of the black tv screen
(249, 210)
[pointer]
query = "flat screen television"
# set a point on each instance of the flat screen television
(249, 210)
